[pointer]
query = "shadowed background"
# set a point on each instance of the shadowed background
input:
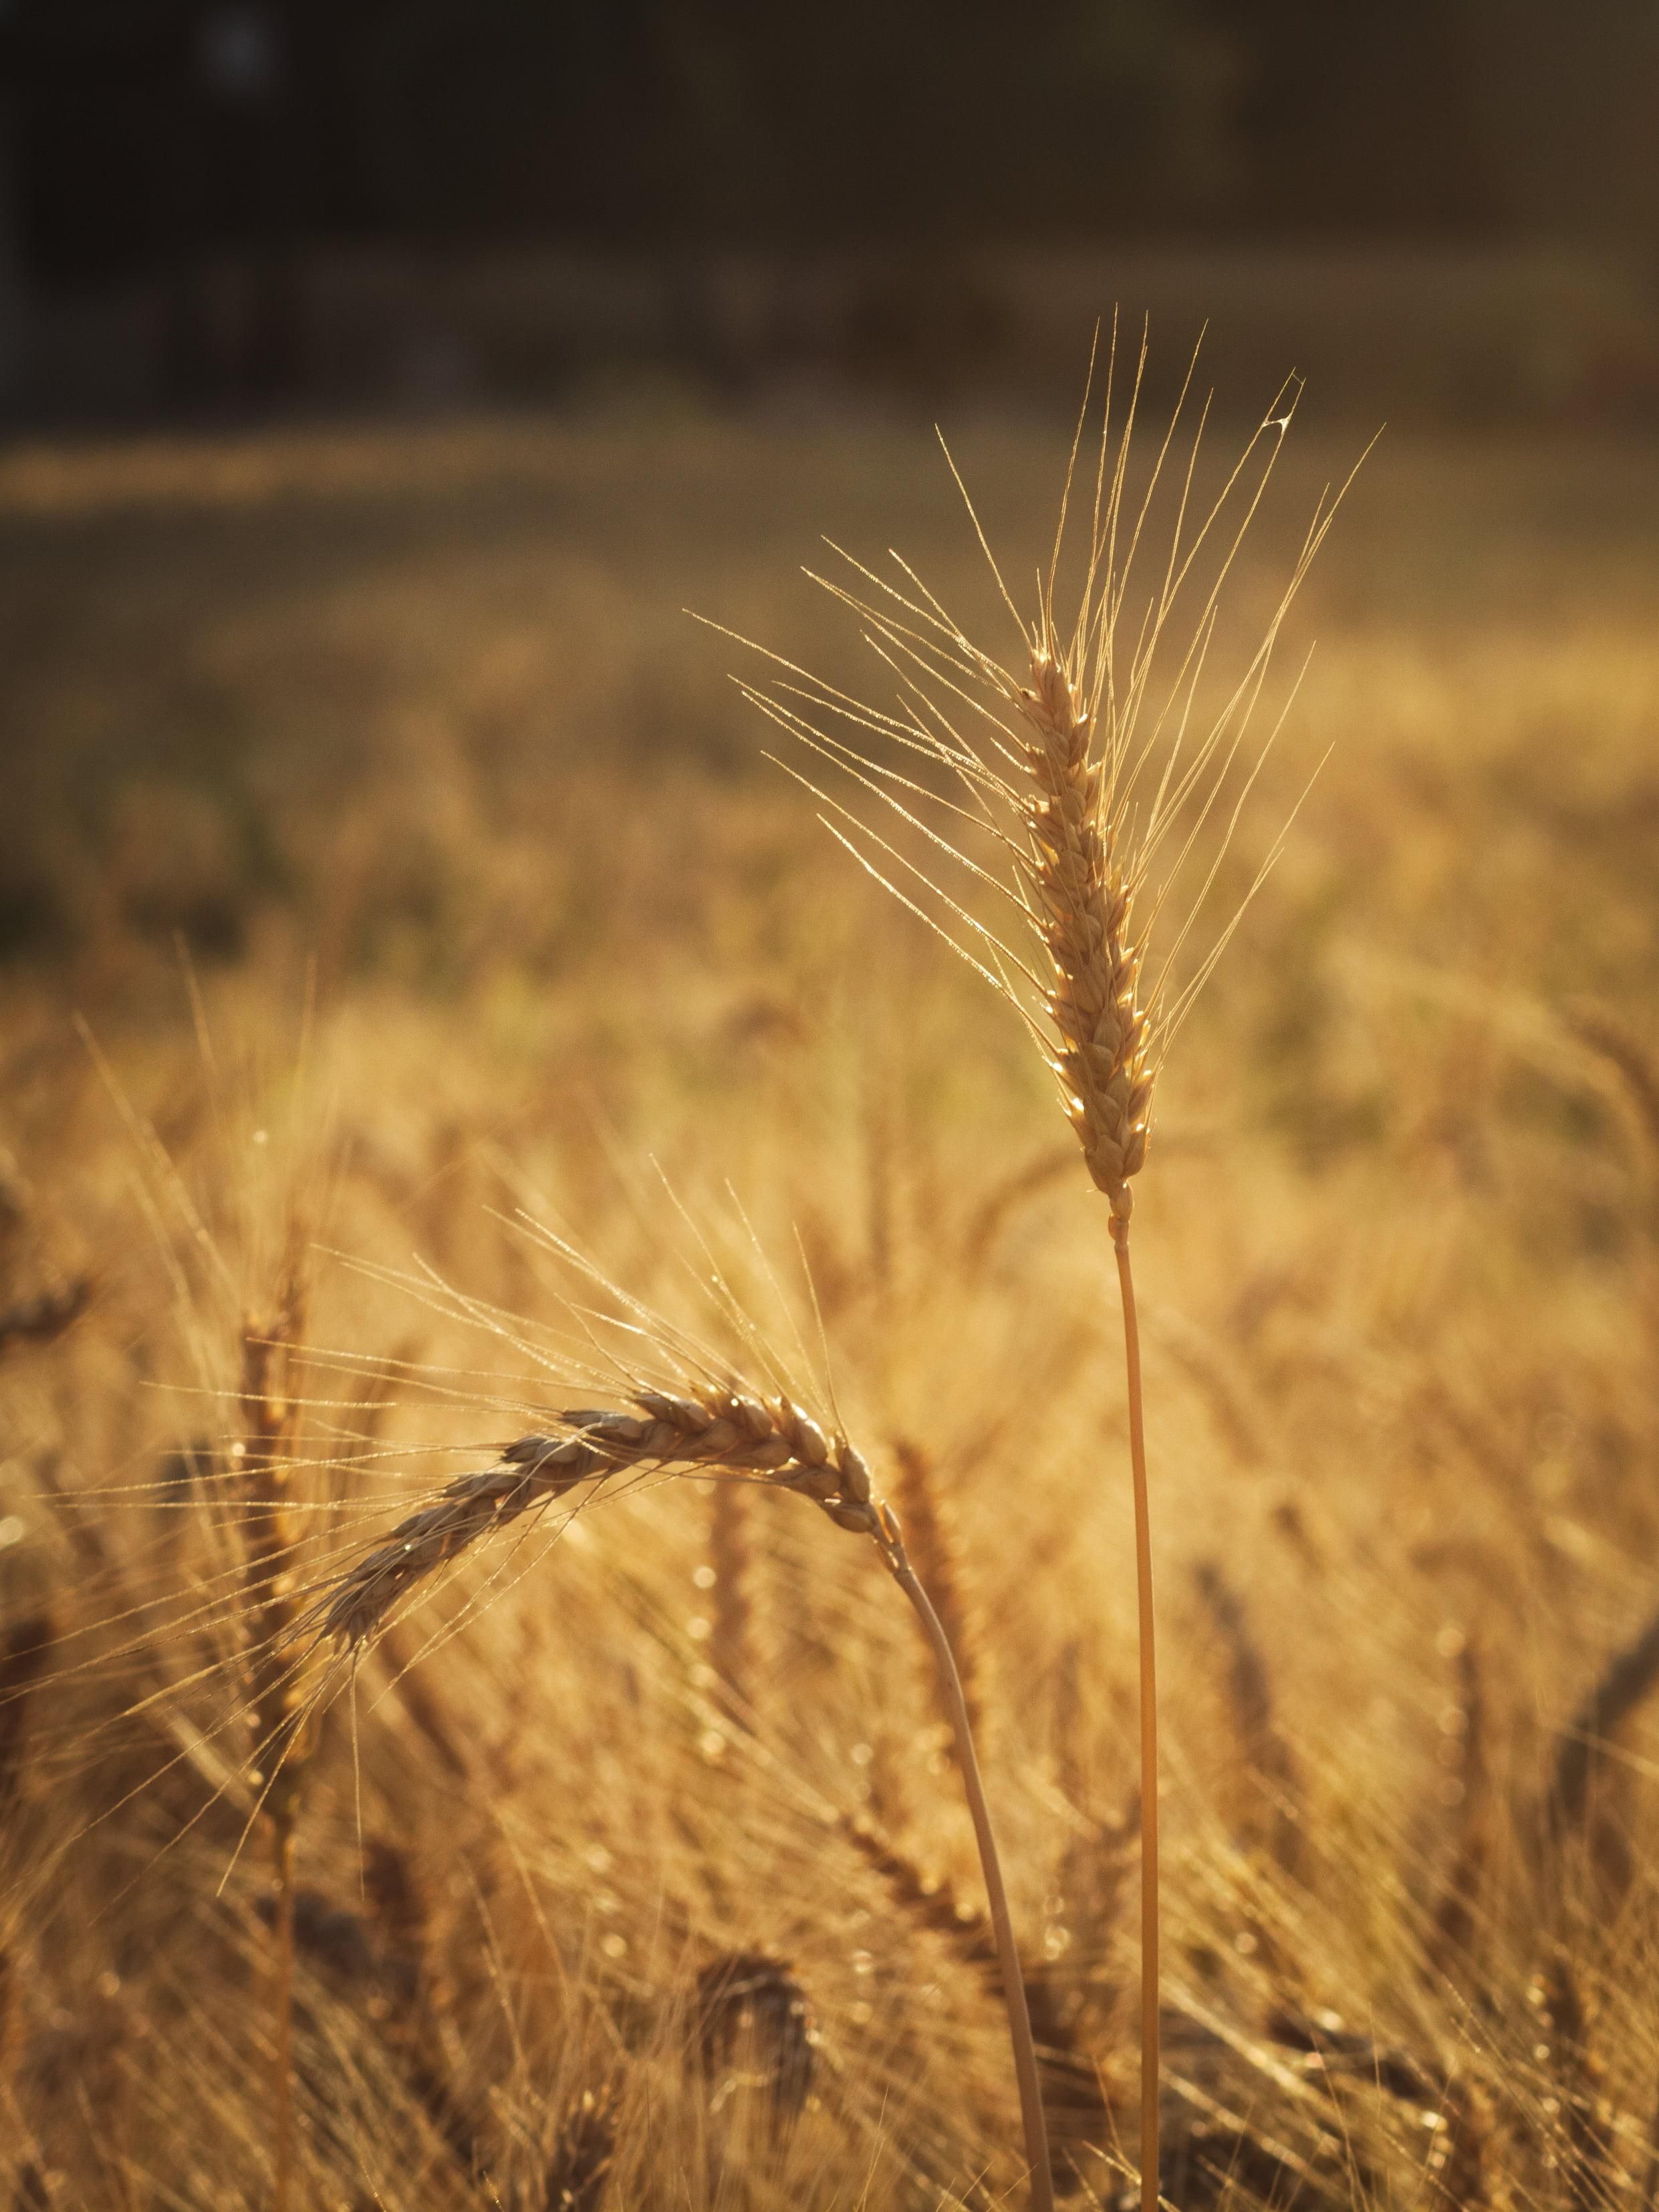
(230, 202)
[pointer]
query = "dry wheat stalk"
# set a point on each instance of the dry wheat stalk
(263, 1458)
(1086, 771)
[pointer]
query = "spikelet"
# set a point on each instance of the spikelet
(1084, 757)
(43, 1318)
(1628, 1679)
(1266, 1757)
(720, 1432)
(1457, 1912)
(1588, 2167)
(1082, 900)
(1605, 1034)
(933, 1555)
(927, 1899)
(584, 2150)
(752, 2020)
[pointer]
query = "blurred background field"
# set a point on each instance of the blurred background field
(360, 678)
(388, 866)
(409, 860)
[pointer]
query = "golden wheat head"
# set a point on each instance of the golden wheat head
(717, 1431)
(1085, 769)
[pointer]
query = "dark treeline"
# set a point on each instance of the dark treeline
(131, 127)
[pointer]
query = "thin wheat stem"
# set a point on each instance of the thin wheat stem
(1013, 1978)
(1149, 1909)
(280, 1738)
(282, 2007)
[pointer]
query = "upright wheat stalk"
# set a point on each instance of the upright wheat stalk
(1073, 780)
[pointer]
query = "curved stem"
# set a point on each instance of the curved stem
(1013, 1979)
(1149, 1911)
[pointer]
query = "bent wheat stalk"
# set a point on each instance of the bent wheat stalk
(1074, 781)
(732, 1434)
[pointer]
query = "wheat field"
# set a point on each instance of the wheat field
(400, 918)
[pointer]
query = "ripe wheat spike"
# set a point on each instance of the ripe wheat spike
(1085, 765)
(719, 1433)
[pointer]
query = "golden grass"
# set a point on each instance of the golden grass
(1401, 1292)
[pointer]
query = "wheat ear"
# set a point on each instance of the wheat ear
(24, 1653)
(715, 1431)
(934, 1555)
(1456, 1915)
(1605, 1034)
(1267, 1758)
(1627, 1680)
(748, 2008)
(932, 1903)
(718, 1431)
(583, 2152)
(1591, 2169)
(264, 1455)
(1082, 906)
(42, 1319)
